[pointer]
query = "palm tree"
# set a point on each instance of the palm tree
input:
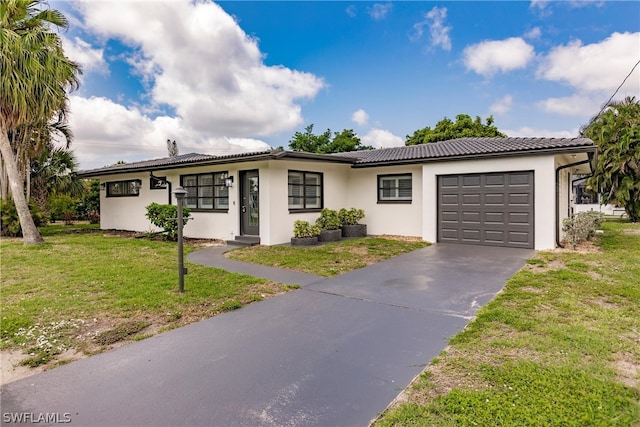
(616, 132)
(53, 173)
(34, 78)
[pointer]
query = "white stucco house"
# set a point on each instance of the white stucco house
(489, 191)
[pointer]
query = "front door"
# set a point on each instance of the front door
(249, 203)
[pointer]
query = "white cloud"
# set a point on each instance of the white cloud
(360, 117)
(200, 62)
(438, 31)
(533, 34)
(594, 71)
(488, 57)
(84, 54)
(379, 11)
(380, 138)
(351, 11)
(502, 105)
(575, 105)
(541, 133)
(106, 132)
(596, 66)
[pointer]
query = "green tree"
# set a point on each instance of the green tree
(616, 133)
(34, 79)
(326, 142)
(463, 127)
(53, 173)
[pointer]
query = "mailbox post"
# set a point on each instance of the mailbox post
(180, 193)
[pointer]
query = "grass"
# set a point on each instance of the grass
(559, 346)
(330, 259)
(86, 290)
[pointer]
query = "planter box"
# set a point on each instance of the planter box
(304, 241)
(354, 230)
(330, 235)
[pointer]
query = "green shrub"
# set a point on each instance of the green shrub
(304, 229)
(10, 223)
(350, 216)
(581, 227)
(329, 220)
(94, 217)
(166, 217)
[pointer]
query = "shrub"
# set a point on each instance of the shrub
(581, 227)
(351, 216)
(94, 217)
(166, 217)
(329, 220)
(304, 229)
(10, 223)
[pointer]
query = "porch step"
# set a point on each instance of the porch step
(244, 241)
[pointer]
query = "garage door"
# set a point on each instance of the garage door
(486, 209)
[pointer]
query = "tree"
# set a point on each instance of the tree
(463, 127)
(172, 148)
(53, 173)
(616, 133)
(326, 143)
(34, 78)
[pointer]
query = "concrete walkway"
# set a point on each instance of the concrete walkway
(333, 353)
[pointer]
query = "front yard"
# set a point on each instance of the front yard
(559, 346)
(88, 290)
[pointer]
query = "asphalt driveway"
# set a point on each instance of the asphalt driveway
(334, 353)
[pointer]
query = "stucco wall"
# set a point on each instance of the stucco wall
(403, 219)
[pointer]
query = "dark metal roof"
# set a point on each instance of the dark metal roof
(195, 159)
(466, 148)
(461, 148)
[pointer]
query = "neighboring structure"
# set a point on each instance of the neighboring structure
(585, 201)
(490, 191)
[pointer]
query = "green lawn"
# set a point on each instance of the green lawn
(560, 346)
(330, 259)
(86, 290)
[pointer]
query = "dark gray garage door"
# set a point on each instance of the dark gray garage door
(486, 209)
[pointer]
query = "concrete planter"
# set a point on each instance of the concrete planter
(304, 241)
(330, 235)
(354, 230)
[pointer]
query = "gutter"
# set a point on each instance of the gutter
(558, 169)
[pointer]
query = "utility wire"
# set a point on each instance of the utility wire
(606, 104)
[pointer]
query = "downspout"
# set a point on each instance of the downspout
(558, 169)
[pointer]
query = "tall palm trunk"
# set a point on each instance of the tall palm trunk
(30, 233)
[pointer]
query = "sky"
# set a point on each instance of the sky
(232, 76)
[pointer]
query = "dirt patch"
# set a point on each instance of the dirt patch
(400, 238)
(584, 247)
(631, 231)
(545, 266)
(627, 370)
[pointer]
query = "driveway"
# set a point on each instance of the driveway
(334, 353)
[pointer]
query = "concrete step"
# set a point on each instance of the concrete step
(244, 241)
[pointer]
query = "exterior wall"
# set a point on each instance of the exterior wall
(128, 213)
(544, 191)
(605, 209)
(405, 219)
(276, 204)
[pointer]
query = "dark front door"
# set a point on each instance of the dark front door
(249, 203)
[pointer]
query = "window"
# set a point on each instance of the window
(305, 190)
(394, 188)
(206, 191)
(129, 188)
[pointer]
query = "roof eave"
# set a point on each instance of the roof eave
(274, 155)
(537, 152)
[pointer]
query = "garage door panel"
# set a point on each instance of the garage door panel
(494, 199)
(487, 209)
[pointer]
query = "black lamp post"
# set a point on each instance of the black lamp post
(180, 193)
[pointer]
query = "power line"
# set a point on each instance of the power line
(614, 93)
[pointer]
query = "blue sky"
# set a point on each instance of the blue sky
(243, 75)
